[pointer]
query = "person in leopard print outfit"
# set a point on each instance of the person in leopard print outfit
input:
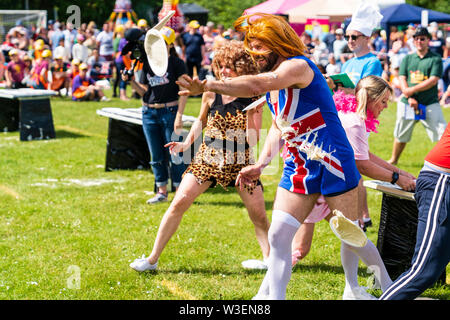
(229, 135)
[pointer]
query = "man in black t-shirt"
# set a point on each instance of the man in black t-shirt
(162, 111)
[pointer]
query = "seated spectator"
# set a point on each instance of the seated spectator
(38, 48)
(320, 52)
(3, 63)
(15, 71)
(332, 67)
(61, 50)
(394, 81)
(84, 88)
(28, 66)
(73, 71)
(94, 58)
(59, 78)
(99, 72)
(306, 38)
(79, 50)
(90, 42)
(39, 73)
(339, 46)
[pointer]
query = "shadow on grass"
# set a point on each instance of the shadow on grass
(227, 272)
(196, 270)
(63, 134)
(299, 268)
(238, 204)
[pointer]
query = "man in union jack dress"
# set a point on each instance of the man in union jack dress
(321, 159)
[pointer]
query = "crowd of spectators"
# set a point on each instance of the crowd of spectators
(50, 58)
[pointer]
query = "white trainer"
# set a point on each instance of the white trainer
(357, 293)
(142, 264)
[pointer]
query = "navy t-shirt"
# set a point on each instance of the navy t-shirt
(164, 89)
(193, 44)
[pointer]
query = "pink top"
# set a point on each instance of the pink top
(357, 134)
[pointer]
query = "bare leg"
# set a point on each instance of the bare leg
(363, 203)
(303, 240)
(257, 212)
(187, 192)
(347, 203)
(397, 150)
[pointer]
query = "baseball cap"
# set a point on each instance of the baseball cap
(39, 44)
(119, 28)
(168, 34)
(46, 53)
(194, 24)
(142, 23)
(339, 31)
(421, 31)
(83, 66)
(13, 52)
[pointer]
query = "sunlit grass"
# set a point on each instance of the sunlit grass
(63, 218)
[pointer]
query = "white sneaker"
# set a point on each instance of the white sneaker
(159, 197)
(105, 99)
(254, 264)
(358, 293)
(142, 264)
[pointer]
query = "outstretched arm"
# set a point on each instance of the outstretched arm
(289, 73)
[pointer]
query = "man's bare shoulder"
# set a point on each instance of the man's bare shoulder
(298, 69)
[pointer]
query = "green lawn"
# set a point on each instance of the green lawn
(68, 229)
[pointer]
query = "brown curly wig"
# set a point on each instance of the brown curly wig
(233, 54)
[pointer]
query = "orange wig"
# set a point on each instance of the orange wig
(273, 31)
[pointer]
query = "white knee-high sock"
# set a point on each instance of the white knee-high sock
(350, 262)
(281, 232)
(370, 255)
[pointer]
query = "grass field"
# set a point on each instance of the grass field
(69, 229)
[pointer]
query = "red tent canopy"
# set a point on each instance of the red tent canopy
(275, 6)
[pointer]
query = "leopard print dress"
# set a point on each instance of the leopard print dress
(224, 150)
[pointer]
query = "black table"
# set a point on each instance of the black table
(29, 111)
(126, 145)
(398, 228)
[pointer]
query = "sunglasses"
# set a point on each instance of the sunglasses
(420, 38)
(353, 37)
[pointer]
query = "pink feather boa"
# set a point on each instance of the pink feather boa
(347, 103)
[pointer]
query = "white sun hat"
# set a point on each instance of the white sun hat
(366, 18)
(155, 47)
(347, 231)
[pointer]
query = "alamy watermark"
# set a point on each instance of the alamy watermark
(75, 16)
(74, 279)
(234, 146)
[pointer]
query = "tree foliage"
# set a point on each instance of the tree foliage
(95, 10)
(437, 5)
(225, 11)
(220, 11)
